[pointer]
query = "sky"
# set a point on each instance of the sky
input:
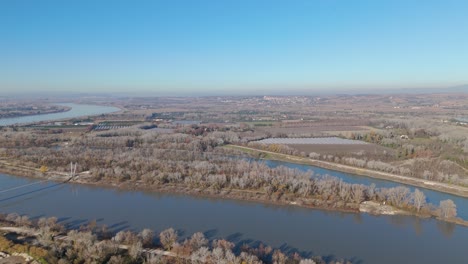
(227, 46)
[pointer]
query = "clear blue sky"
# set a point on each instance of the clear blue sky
(226, 45)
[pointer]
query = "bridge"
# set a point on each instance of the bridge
(59, 177)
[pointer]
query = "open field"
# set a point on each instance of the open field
(312, 141)
(244, 132)
(335, 149)
(412, 143)
(162, 151)
(307, 130)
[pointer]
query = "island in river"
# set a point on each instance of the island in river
(136, 158)
(19, 110)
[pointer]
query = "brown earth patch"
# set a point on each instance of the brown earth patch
(308, 129)
(334, 149)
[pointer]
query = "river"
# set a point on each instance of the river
(77, 110)
(361, 238)
(433, 197)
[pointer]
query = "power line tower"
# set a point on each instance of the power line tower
(73, 169)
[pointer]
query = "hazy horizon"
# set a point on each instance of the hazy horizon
(223, 48)
(256, 92)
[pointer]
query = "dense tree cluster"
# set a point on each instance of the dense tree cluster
(434, 169)
(94, 244)
(15, 109)
(186, 161)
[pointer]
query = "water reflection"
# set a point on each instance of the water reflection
(417, 225)
(433, 197)
(358, 218)
(359, 237)
(446, 228)
(77, 110)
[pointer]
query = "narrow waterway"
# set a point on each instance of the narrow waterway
(433, 197)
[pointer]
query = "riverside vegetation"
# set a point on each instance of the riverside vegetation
(190, 157)
(47, 241)
(16, 109)
(188, 163)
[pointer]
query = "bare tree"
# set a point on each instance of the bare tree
(147, 237)
(126, 237)
(201, 255)
(357, 192)
(45, 236)
(307, 261)
(279, 257)
(224, 244)
(448, 209)
(13, 217)
(198, 240)
(217, 255)
(23, 221)
(399, 196)
(135, 249)
(117, 259)
(371, 191)
(419, 199)
(249, 258)
(168, 237)
(154, 259)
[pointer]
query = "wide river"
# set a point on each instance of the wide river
(361, 238)
(78, 110)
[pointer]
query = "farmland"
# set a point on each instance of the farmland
(189, 146)
(341, 149)
(312, 141)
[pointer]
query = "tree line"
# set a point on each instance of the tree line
(52, 242)
(188, 162)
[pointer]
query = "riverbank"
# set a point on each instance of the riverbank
(76, 111)
(29, 235)
(254, 196)
(37, 112)
(46, 240)
(432, 185)
(232, 194)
